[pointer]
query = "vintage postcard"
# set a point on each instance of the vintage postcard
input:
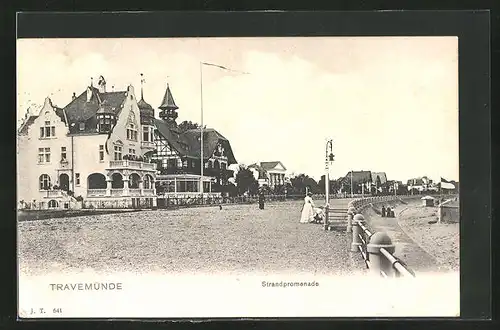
(238, 177)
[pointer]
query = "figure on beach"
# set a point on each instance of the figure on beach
(308, 210)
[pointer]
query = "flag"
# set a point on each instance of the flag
(224, 68)
(445, 184)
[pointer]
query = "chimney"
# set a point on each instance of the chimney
(74, 96)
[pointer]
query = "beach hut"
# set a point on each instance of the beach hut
(428, 201)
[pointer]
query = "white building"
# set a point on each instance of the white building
(271, 174)
(95, 148)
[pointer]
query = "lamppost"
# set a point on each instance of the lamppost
(329, 158)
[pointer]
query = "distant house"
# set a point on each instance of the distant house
(271, 174)
(420, 184)
(361, 181)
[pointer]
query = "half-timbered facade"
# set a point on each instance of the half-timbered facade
(178, 155)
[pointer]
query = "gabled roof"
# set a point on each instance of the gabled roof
(175, 138)
(31, 119)
(381, 175)
(271, 165)
(357, 177)
(168, 102)
(188, 144)
(24, 127)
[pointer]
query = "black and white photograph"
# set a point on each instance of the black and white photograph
(238, 177)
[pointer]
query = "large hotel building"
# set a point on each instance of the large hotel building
(107, 149)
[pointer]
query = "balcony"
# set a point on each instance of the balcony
(134, 192)
(147, 145)
(132, 164)
(64, 164)
(52, 193)
(96, 192)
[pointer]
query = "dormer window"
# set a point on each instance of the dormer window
(82, 126)
(47, 130)
(105, 123)
(131, 132)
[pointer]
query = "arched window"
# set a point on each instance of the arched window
(117, 181)
(96, 181)
(216, 164)
(45, 182)
(53, 204)
(148, 182)
(133, 181)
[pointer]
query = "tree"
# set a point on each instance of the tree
(245, 181)
(185, 125)
(301, 181)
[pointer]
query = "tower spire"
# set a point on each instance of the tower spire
(168, 107)
(91, 82)
(142, 86)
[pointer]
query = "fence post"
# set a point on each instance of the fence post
(350, 215)
(378, 262)
(356, 231)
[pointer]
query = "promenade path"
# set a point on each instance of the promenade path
(236, 239)
(406, 248)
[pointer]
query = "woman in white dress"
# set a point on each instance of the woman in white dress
(308, 210)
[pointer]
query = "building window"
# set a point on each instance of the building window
(44, 182)
(43, 155)
(77, 179)
(145, 133)
(118, 153)
(185, 163)
(104, 124)
(82, 126)
(63, 154)
(131, 132)
(47, 130)
(101, 153)
(171, 163)
(223, 166)
(131, 151)
(53, 204)
(148, 182)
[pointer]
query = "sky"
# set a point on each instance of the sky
(390, 104)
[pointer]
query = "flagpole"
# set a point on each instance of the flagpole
(201, 129)
(352, 194)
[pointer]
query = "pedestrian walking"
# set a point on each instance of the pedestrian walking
(388, 212)
(307, 215)
(262, 198)
(383, 211)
